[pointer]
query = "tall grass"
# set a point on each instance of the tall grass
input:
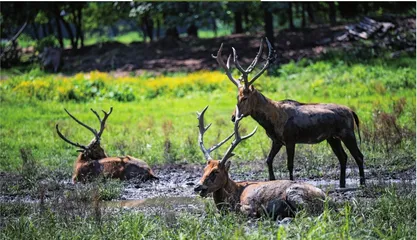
(32, 103)
(390, 216)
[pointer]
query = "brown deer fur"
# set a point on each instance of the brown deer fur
(93, 161)
(289, 122)
(277, 199)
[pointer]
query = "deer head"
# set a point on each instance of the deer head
(93, 151)
(247, 94)
(215, 174)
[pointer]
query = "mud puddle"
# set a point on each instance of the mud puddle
(174, 191)
(160, 204)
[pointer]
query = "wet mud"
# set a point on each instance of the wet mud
(173, 192)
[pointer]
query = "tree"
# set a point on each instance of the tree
(269, 27)
(332, 13)
(290, 15)
(237, 8)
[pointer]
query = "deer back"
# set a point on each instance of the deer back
(125, 168)
(280, 198)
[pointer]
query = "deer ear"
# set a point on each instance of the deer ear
(227, 166)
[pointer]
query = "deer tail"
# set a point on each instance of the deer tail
(357, 124)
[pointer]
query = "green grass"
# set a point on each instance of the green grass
(140, 125)
(389, 216)
(163, 109)
(125, 38)
(205, 33)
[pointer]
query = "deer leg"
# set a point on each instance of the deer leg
(337, 148)
(270, 159)
(350, 143)
(290, 159)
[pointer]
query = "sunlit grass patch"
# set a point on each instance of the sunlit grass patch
(382, 94)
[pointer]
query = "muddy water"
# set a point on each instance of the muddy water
(161, 204)
(173, 192)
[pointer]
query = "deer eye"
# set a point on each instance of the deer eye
(212, 176)
(243, 99)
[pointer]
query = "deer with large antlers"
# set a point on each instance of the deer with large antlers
(289, 122)
(93, 161)
(277, 199)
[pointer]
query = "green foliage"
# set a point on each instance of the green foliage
(383, 217)
(49, 41)
(33, 103)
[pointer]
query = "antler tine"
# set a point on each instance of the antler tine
(82, 124)
(255, 61)
(226, 67)
(95, 113)
(238, 138)
(202, 129)
(214, 147)
(244, 75)
(67, 140)
(266, 64)
(103, 122)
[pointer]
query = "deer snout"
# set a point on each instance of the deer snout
(200, 187)
(233, 118)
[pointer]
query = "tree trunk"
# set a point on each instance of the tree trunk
(172, 32)
(70, 33)
(158, 28)
(147, 27)
(58, 30)
(290, 17)
(332, 13)
(51, 28)
(44, 31)
(75, 21)
(303, 15)
(214, 25)
(80, 26)
(35, 30)
(310, 13)
(269, 27)
(238, 22)
(192, 30)
(145, 35)
(246, 17)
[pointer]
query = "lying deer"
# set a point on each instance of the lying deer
(93, 161)
(289, 122)
(277, 199)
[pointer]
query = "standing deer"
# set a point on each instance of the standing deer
(93, 161)
(289, 122)
(277, 199)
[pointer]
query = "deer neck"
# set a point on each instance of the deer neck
(228, 197)
(269, 115)
(82, 157)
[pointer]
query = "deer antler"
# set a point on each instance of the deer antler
(238, 138)
(226, 66)
(97, 135)
(102, 122)
(202, 129)
(244, 72)
(68, 141)
(83, 124)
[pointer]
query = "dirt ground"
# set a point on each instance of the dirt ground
(191, 54)
(177, 181)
